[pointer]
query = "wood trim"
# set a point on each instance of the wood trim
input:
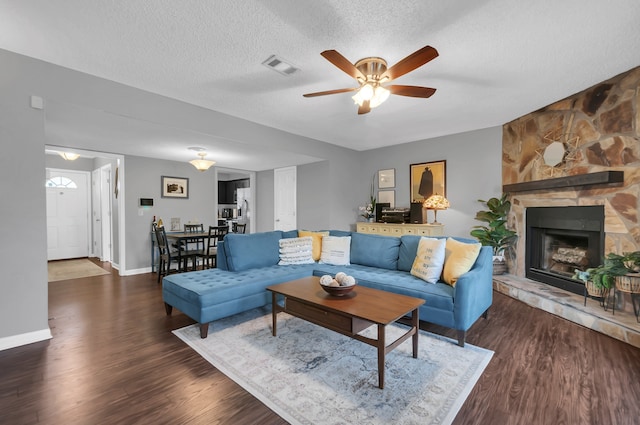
(591, 179)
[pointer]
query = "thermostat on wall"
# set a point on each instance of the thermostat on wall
(146, 202)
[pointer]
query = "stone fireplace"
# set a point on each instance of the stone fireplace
(598, 132)
(583, 151)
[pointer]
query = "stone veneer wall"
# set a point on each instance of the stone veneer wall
(597, 130)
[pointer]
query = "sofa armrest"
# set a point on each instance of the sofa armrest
(473, 293)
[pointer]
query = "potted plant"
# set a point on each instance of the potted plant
(619, 270)
(495, 233)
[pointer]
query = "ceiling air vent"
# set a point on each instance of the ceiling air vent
(280, 65)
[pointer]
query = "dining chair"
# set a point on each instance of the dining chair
(192, 248)
(216, 234)
(166, 256)
(240, 228)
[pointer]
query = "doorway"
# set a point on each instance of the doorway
(67, 214)
(284, 188)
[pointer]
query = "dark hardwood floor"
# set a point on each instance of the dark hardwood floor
(114, 360)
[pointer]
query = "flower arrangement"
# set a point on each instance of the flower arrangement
(368, 211)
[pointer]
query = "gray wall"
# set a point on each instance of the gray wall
(143, 181)
(473, 171)
(23, 255)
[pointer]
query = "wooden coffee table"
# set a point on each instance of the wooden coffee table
(349, 314)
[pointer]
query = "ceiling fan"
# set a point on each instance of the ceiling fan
(371, 73)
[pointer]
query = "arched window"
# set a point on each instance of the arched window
(62, 182)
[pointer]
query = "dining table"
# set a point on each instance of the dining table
(178, 238)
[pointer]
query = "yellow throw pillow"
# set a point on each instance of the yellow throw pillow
(459, 258)
(429, 259)
(316, 250)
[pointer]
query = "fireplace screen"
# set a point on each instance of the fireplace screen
(561, 240)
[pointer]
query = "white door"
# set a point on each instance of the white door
(96, 214)
(67, 214)
(284, 187)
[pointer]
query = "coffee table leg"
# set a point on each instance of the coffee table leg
(415, 323)
(274, 312)
(381, 352)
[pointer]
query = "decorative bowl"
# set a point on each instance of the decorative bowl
(338, 291)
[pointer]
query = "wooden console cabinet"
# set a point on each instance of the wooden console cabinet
(393, 229)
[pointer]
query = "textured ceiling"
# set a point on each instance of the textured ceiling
(499, 59)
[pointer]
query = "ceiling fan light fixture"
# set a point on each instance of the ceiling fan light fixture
(375, 96)
(202, 164)
(380, 94)
(365, 93)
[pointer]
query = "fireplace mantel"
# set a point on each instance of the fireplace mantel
(591, 179)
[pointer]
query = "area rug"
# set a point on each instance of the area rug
(73, 269)
(310, 375)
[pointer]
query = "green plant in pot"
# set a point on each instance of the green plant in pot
(495, 232)
(604, 276)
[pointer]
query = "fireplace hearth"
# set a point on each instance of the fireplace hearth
(561, 240)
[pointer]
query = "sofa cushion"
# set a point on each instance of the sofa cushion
(317, 241)
(459, 258)
(438, 296)
(249, 251)
(429, 260)
(339, 233)
(375, 250)
(336, 250)
(290, 234)
(407, 251)
(295, 251)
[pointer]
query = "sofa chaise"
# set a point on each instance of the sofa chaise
(248, 263)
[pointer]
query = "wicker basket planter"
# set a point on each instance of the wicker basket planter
(628, 283)
(593, 290)
(499, 267)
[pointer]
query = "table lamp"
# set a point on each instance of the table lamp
(436, 202)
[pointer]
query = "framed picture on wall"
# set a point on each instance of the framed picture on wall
(175, 187)
(427, 178)
(387, 178)
(389, 196)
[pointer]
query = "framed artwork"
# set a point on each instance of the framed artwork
(389, 196)
(387, 178)
(427, 178)
(175, 187)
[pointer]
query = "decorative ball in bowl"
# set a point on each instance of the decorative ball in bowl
(339, 285)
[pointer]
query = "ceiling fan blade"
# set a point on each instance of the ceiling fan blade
(343, 63)
(411, 62)
(324, 93)
(365, 108)
(411, 91)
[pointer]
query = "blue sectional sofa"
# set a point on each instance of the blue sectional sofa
(248, 263)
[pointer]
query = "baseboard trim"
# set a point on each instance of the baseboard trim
(24, 339)
(135, 271)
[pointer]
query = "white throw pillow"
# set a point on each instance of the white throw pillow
(336, 250)
(429, 260)
(296, 251)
